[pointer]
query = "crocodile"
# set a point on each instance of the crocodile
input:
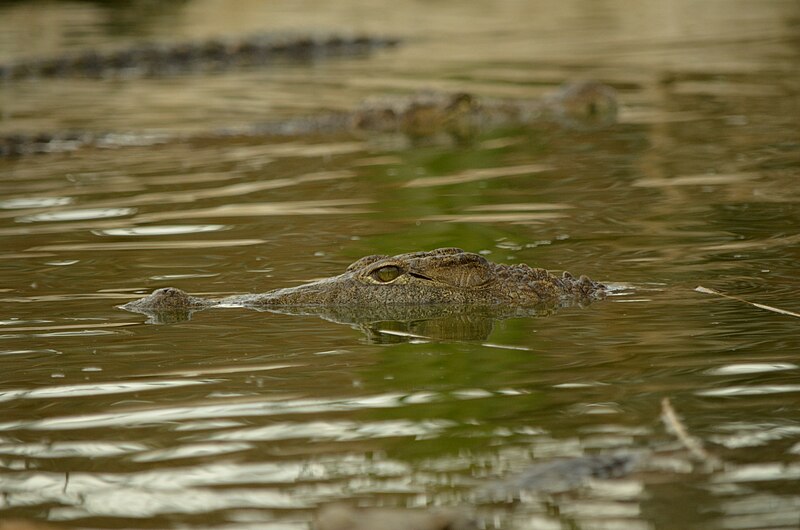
(164, 59)
(444, 277)
(461, 115)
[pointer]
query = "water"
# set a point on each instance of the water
(240, 419)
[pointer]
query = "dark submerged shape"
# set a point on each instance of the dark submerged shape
(544, 478)
(442, 277)
(153, 60)
(557, 476)
(576, 105)
(581, 105)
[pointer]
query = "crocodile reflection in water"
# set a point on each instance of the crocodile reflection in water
(394, 323)
(459, 116)
(416, 286)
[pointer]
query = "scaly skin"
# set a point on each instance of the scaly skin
(445, 276)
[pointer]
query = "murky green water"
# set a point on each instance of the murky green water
(239, 419)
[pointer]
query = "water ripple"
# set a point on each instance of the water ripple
(179, 490)
(34, 202)
(472, 175)
(76, 215)
(97, 389)
(164, 415)
(754, 434)
(337, 430)
(190, 451)
(129, 502)
(760, 472)
(753, 390)
(750, 368)
(149, 245)
(72, 449)
(164, 230)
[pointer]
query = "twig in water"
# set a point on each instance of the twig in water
(692, 444)
(706, 290)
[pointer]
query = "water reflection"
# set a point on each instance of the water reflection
(76, 215)
(34, 202)
(395, 323)
(65, 391)
(162, 230)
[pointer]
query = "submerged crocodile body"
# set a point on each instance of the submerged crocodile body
(442, 277)
(155, 60)
(580, 105)
(583, 104)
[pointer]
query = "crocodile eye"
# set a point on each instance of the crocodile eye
(386, 274)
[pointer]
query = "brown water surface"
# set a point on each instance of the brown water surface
(238, 419)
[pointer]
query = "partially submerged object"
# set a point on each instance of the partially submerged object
(545, 478)
(162, 59)
(558, 476)
(578, 105)
(445, 277)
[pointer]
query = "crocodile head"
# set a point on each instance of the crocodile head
(445, 275)
(442, 276)
(380, 284)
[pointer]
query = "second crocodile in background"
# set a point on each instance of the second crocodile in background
(581, 105)
(445, 276)
(213, 55)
